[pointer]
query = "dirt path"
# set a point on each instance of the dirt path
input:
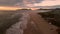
(39, 26)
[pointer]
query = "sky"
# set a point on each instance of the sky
(29, 3)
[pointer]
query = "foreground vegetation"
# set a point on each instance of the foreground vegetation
(52, 16)
(7, 18)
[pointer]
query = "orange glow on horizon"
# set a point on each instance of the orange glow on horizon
(34, 8)
(8, 8)
(14, 8)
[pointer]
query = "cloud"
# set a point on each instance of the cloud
(29, 3)
(48, 3)
(9, 2)
(45, 3)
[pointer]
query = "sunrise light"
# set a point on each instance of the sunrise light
(34, 8)
(8, 8)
